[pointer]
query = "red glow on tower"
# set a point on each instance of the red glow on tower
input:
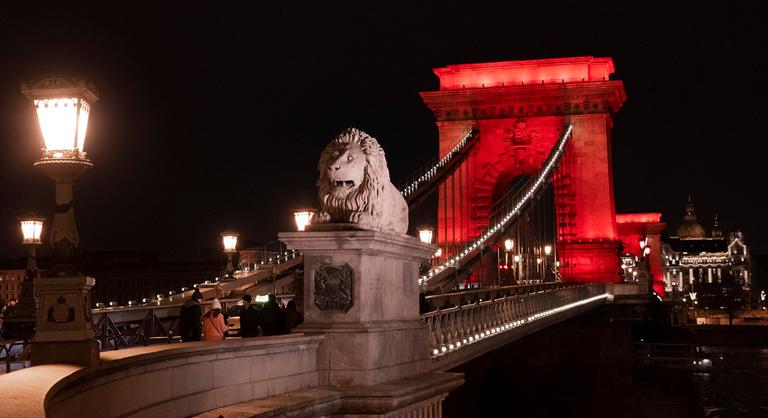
(519, 108)
(635, 226)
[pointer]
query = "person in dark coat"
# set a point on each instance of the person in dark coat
(272, 318)
(424, 306)
(249, 319)
(190, 318)
(292, 317)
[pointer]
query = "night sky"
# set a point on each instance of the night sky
(212, 117)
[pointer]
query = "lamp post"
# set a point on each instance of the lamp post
(695, 302)
(547, 264)
(509, 245)
(425, 234)
(63, 108)
(303, 217)
(643, 270)
(64, 332)
(20, 319)
(229, 240)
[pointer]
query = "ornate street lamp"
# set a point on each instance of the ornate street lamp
(547, 263)
(229, 240)
(302, 217)
(20, 319)
(31, 230)
(31, 233)
(63, 108)
(425, 234)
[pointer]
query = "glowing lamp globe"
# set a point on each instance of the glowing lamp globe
(509, 244)
(643, 243)
(547, 249)
(63, 108)
(302, 218)
(31, 229)
(517, 259)
(425, 234)
(229, 239)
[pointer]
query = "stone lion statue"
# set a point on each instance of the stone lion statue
(354, 185)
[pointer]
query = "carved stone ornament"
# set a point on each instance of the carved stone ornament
(61, 312)
(354, 186)
(333, 287)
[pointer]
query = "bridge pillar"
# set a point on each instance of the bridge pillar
(64, 329)
(519, 109)
(361, 292)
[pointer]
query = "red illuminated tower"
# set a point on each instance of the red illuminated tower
(519, 108)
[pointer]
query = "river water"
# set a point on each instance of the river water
(585, 367)
(741, 389)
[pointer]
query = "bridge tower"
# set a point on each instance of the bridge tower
(519, 108)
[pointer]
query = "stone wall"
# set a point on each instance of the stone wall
(168, 380)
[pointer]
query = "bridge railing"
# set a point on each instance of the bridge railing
(465, 324)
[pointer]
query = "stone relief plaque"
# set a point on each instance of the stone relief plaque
(61, 312)
(333, 287)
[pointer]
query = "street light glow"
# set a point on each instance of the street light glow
(425, 234)
(229, 239)
(509, 244)
(31, 229)
(63, 122)
(63, 108)
(547, 249)
(302, 218)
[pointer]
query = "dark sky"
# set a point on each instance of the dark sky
(212, 116)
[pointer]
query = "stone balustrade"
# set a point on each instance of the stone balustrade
(464, 325)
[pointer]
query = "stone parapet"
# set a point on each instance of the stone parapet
(170, 380)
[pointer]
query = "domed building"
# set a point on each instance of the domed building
(690, 229)
(714, 267)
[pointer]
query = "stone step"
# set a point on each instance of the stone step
(302, 403)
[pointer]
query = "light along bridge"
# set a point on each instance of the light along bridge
(524, 158)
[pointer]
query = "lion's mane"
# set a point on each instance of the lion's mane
(370, 201)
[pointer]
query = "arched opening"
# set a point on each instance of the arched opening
(527, 251)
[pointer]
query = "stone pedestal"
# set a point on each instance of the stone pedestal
(361, 291)
(64, 329)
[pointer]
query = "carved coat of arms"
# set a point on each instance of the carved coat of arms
(61, 312)
(333, 287)
(521, 135)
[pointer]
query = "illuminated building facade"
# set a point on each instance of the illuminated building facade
(10, 284)
(716, 267)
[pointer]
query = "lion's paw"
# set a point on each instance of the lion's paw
(362, 218)
(321, 217)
